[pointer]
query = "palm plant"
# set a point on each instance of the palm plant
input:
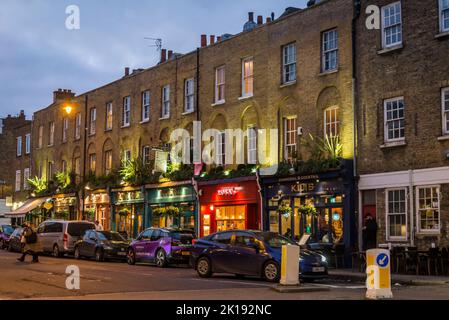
(38, 185)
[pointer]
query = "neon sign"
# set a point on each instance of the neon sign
(229, 191)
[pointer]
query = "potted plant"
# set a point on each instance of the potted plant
(285, 210)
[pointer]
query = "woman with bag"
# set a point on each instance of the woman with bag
(30, 244)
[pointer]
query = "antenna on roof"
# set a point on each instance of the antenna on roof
(157, 43)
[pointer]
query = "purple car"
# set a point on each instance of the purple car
(5, 235)
(162, 247)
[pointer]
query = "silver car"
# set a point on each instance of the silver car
(58, 237)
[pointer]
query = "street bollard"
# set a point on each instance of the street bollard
(378, 272)
(290, 265)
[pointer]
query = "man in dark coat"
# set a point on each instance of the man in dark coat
(370, 233)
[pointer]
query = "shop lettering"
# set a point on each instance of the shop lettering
(197, 311)
(303, 187)
(228, 191)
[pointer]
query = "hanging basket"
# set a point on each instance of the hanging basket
(285, 211)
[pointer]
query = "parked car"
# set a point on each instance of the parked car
(251, 253)
(102, 245)
(59, 237)
(14, 241)
(162, 246)
(5, 233)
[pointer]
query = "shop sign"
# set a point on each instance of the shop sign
(97, 198)
(303, 187)
(132, 196)
(229, 191)
(65, 202)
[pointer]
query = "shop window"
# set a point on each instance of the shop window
(428, 206)
(397, 214)
(230, 218)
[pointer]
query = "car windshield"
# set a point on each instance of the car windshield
(8, 230)
(78, 229)
(184, 237)
(110, 236)
(18, 232)
(275, 240)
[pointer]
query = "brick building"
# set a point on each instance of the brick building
(403, 103)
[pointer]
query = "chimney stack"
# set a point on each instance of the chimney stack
(212, 40)
(219, 39)
(126, 71)
(62, 95)
(163, 55)
(170, 54)
(251, 16)
(268, 19)
(259, 20)
(203, 40)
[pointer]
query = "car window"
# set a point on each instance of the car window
(87, 235)
(8, 230)
(41, 228)
(111, 236)
(146, 235)
(53, 227)
(78, 229)
(244, 239)
(17, 232)
(183, 237)
(275, 240)
(156, 235)
(223, 238)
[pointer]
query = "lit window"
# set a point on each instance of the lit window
(126, 156)
(220, 148)
(65, 126)
(445, 110)
(93, 121)
(92, 163)
(78, 126)
(166, 102)
(444, 15)
(26, 177)
(289, 63)
(189, 96)
(109, 116)
(28, 143)
(397, 214)
(108, 162)
(252, 145)
(145, 106)
(220, 79)
(247, 77)
(394, 119)
(126, 118)
(51, 134)
(428, 206)
(391, 25)
(330, 50)
(77, 166)
(290, 139)
(18, 181)
(332, 122)
(19, 146)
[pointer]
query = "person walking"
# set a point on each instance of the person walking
(30, 244)
(370, 233)
(98, 226)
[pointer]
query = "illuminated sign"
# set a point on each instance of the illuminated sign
(303, 187)
(229, 191)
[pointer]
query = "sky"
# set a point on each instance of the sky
(38, 54)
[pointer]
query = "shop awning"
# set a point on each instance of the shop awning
(29, 206)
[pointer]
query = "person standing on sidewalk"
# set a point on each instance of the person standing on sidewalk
(30, 244)
(370, 233)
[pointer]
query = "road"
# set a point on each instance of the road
(119, 281)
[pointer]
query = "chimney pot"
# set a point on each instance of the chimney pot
(126, 71)
(163, 55)
(219, 39)
(212, 40)
(259, 20)
(268, 19)
(170, 54)
(203, 40)
(251, 16)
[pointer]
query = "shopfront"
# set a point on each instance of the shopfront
(172, 205)
(66, 207)
(233, 204)
(319, 206)
(128, 211)
(98, 208)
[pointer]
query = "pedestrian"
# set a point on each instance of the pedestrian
(369, 233)
(30, 244)
(288, 234)
(98, 226)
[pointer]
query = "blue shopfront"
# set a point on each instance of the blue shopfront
(173, 205)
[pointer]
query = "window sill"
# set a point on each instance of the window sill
(442, 35)
(218, 103)
(391, 49)
(188, 112)
(443, 138)
(107, 130)
(394, 144)
(164, 118)
(144, 121)
(288, 84)
(428, 233)
(325, 73)
(127, 126)
(50, 145)
(91, 135)
(245, 97)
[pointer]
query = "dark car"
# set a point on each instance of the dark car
(252, 253)
(5, 233)
(14, 241)
(162, 246)
(101, 245)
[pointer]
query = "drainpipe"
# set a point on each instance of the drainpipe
(412, 209)
(262, 204)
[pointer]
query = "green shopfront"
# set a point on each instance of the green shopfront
(172, 205)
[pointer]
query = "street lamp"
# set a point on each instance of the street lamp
(68, 109)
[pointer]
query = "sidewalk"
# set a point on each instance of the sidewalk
(348, 274)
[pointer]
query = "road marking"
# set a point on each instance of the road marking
(337, 287)
(234, 282)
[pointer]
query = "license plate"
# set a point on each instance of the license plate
(121, 253)
(186, 253)
(318, 269)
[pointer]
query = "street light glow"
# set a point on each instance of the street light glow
(68, 109)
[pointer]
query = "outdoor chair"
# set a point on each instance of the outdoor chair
(397, 259)
(432, 257)
(444, 259)
(412, 261)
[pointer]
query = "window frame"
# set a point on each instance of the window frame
(327, 52)
(93, 163)
(146, 105)
(51, 134)
(126, 112)
(286, 64)
(444, 112)
(26, 176)
(78, 122)
(40, 138)
(109, 123)
(418, 209)
(19, 146)
(219, 85)
(189, 97)
(146, 156)
(28, 143)
(252, 152)
(220, 148)
(386, 121)
(249, 77)
(108, 162)
(92, 121)
(384, 28)
(65, 127)
(442, 20)
(18, 181)
(333, 125)
(165, 107)
(286, 133)
(387, 214)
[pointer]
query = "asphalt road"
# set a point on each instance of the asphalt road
(119, 281)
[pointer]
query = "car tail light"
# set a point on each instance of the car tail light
(194, 241)
(66, 238)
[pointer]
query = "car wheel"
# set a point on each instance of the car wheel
(271, 271)
(56, 252)
(2, 244)
(131, 257)
(77, 253)
(161, 258)
(204, 268)
(99, 255)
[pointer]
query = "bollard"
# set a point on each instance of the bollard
(378, 272)
(290, 265)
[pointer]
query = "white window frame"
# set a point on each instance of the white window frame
(92, 156)
(109, 116)
(40, 139)
(165, 112)
(418, 216)
(50, 170)
(387, 215)
(78, 126)
(126, 114)
(384, 27)
(108, 169)
(146, 101)
(329, 52)
(220, 148)
(442, 19)
(386, 121)
(93, 121)
(18, 184)
(289, 66)
(65, 127)
(146, 155)
(189, 95)
(64, 166)
(28, 143)
(26, 176)
(248, 92)
(19, 146)
(287, 132)
(127, 155)
(445, 110)
(219, 85)
(252, 145)
(51, 134)
(333, 126)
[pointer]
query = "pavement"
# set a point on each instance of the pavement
(119, 281)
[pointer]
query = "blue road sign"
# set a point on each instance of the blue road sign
(382, 260)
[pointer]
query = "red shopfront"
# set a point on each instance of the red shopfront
(232, 204)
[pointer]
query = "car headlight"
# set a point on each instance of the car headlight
(323, 259)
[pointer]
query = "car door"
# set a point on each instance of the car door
(221, 253)
(42, 235)
(82, 245)
(90, 244)
(140, 245)
(153, 244)
(248, 254)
